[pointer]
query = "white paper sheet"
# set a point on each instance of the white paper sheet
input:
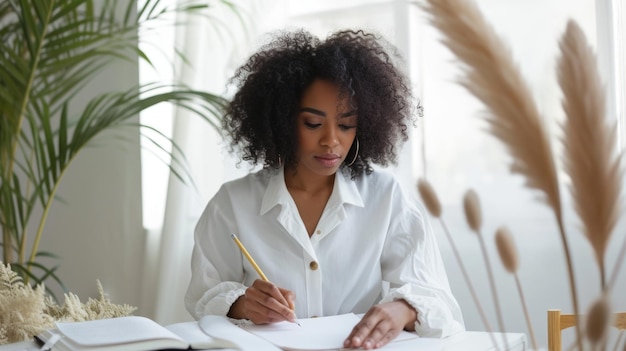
(220, 327)
(325, 333)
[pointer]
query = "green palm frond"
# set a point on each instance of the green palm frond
(49, 51)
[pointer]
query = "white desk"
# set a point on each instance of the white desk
(466, 341)
(471, 341)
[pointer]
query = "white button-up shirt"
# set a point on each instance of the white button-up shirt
(371, 245)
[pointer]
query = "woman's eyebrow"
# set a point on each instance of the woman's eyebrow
(323, 114)
(348, 114)
(313, 111)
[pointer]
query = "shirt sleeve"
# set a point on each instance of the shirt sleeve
(412, 265)
(216, 268)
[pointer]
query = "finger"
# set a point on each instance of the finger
(290, 297)
(380, 330)
(257, 311)
(391, 334)
(361, 331)
(272, 290)
(277, 294)
(272, 298)
(260, 313)
(281, 302)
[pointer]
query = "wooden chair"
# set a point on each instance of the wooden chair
(557, 322)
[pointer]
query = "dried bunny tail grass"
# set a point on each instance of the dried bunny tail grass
(429, 197)
(598, 320)
(507, 250)
(473, 213)
(491, 75)
(510, 260)
(471, 205)
(431, 201)
(589, 142)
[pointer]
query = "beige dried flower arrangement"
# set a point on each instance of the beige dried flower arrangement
(26, 311)
(590, 159)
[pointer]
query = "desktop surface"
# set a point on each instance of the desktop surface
(465, 341)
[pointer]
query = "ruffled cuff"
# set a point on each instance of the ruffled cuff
(220, 304)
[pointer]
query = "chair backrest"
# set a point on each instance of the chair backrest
(558, 321)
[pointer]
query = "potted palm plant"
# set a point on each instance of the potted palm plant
(49, 50)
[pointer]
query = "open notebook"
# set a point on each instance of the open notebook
(216, 332)
(131, 333)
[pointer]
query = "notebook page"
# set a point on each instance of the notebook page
(114, 331)
(197, 338)
(221, 327)
(324, 333)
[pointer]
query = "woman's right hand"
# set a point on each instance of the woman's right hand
(264, 303)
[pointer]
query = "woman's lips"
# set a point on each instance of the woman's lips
(328, 160)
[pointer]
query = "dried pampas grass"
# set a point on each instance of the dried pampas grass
(589, 142)
(491, 75)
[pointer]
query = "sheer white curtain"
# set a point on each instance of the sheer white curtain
(213, 44)
(611, 17)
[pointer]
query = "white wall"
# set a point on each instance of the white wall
(96, 227)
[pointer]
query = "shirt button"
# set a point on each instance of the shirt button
(313, 265)
(319, 231)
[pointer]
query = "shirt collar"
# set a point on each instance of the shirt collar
(276, 192)
(345, 191)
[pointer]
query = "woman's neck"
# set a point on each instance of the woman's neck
(296, 180)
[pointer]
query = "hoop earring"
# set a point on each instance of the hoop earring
(356, 153)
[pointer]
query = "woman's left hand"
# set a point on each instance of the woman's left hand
(381, 324)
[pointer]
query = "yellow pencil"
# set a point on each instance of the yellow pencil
(250, 259)
(252, 262)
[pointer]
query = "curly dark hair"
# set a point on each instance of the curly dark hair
(261, 118)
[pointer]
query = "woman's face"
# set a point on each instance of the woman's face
(326, 127)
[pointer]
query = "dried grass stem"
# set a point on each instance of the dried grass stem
(468, 281)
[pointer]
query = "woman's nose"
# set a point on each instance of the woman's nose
(330, 136)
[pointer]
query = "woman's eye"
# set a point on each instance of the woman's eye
(346, 126)
(312, 125)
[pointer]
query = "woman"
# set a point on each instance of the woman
(332, 235)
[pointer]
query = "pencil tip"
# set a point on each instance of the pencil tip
(232, 235)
